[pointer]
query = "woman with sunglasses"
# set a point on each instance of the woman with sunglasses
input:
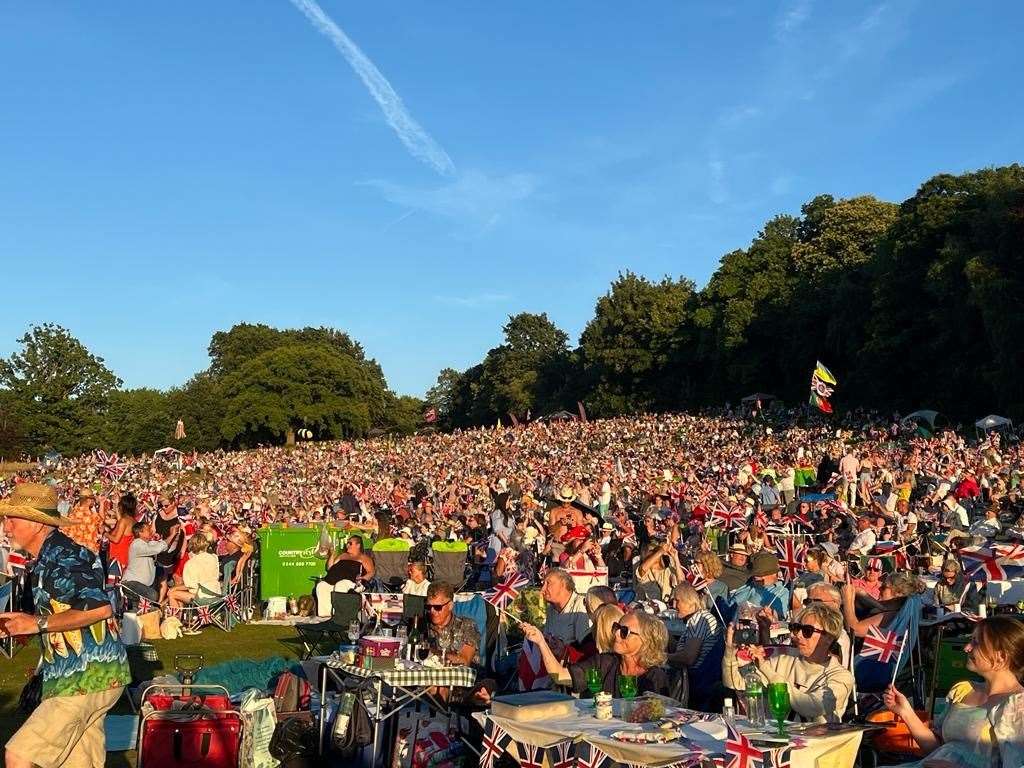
(638, 648)
(819, 685)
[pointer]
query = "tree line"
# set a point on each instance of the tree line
(911, 305)
(262, 387)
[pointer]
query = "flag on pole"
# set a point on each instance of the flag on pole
(883, 644)
(533, 675)
(504, 592)
(823, 384)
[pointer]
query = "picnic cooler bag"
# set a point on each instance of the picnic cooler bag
(195, 728)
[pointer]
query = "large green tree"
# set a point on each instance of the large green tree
(60, 390)
(634, 349)
(311, 386)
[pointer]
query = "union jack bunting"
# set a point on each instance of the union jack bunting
(231, 601)
(563, 755)
(173, 612)
(496, 741)
(782, 757)
(791, 558)
(504, 592)
(531, 756)
(885, 645)
(144, 605)
(984, 563)
(589, 756)
(109, 465)
(740, 752)
(204, 614)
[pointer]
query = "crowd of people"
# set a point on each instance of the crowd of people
(773, 544)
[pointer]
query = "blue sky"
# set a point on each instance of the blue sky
(170, 169)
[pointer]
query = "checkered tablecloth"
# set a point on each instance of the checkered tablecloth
(424, 677)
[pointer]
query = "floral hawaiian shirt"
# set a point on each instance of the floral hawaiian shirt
(67, 576)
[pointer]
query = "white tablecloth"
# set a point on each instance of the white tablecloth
(838, 751)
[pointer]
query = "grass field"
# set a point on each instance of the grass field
(244, 642)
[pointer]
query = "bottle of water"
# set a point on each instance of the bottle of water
(753, 701)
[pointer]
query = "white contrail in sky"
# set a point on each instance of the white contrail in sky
(411, 133)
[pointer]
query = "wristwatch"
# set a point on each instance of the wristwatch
(41, 623)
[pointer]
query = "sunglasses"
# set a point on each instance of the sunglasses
(623, 631)
(873, 568)
(436, 607)
(804, 629)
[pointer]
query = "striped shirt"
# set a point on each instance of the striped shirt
(704, 626)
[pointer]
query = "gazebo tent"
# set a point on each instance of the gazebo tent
(559, 416)
(917, 417)
(991, 422)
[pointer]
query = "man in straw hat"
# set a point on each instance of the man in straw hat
(84, 667)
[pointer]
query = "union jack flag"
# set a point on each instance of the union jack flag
(203, 612)
(802, 520)
(1011, 551)
(503, 593)
(740, 752)
(731, 517)
(496, 741)
(531, 756)
(114, 573)
(695, 576)
(530, 668)
(17, 560)
(884, 645)
(587, 756)
(981, 562)
(791, 558)
(109, 465)
(231, 601)
(144, 605)
(172, 612)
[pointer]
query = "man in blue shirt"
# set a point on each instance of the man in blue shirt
(763, 589)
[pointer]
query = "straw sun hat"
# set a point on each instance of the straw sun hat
(35, 502)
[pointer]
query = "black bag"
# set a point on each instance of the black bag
(31, 695)
(294, 742)
(351, 730)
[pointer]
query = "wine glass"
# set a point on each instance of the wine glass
(627, 687)
(594, 682)
(778, 703)
(353, 630)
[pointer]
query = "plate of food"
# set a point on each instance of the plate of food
(660, 736)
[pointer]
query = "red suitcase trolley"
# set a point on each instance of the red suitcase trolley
(193, 725)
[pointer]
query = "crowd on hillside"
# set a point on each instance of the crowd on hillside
(741, 528)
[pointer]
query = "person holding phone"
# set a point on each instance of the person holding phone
(658, 573)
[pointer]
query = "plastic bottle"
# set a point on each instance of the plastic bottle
(753, 701)
(728, 711)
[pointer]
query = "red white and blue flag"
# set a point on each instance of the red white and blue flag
(533, 675)
(884, 644)
(740, 751)
(588, 756)
(109, 465)
(505, 592)
(984, 563)
(530, 756)
(496, 741)
(730, 517)
(791, 558)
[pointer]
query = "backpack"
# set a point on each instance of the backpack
(292, 693)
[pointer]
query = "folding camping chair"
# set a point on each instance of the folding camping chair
(449, 562)
(391, 559)
(328, 635)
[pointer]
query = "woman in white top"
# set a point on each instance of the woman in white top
(417, 583)
(200, 577)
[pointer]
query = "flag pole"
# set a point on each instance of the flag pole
(899, 656)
